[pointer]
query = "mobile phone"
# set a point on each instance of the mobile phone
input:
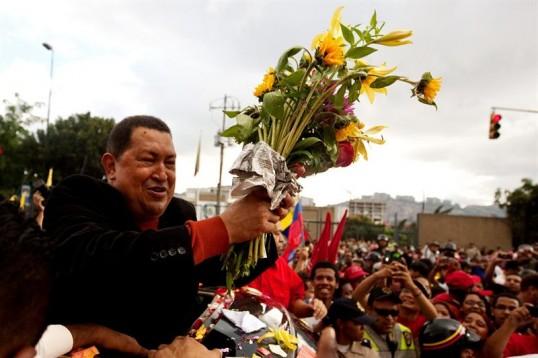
(505, 256)
(533, 310)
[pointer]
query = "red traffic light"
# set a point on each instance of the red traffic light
(494, 125)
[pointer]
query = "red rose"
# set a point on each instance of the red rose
(345, 154)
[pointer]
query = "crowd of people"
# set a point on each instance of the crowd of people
(117, 264)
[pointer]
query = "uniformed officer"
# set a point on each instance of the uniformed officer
(448, 338)
(388, 338)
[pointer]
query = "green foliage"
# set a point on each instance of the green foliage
(361, 227)
(73, 145)
(521, 205)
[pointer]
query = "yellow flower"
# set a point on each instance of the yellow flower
(329, 45)
(267, 83)
(427, 88)
(395, 38)
(352, 130)
(373, 74)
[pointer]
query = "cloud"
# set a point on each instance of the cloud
(172, 59)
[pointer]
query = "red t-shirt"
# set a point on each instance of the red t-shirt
(521, 344)
(280, 282)
(414, 325)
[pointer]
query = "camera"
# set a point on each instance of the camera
(533, 310)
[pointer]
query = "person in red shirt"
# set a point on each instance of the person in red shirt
(285, 286)
(506, 342)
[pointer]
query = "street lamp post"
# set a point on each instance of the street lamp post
(49, 48)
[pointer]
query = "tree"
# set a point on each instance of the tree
(14, 122)
(72, 146)
(522, 209)
(361, 227)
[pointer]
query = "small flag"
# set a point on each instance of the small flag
(197, 161)
(295, 231)
(49, 179)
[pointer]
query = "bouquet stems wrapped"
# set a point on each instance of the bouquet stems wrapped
(305, 122)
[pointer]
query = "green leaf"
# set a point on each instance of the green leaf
(295, 78)
(283, 60)
(339, 97)
(354, 91)
(382, 82)
(273, 102)
(307, 142)
(300, 154)
(234, 131)
(348, 34)
(244, 121)
(358, 32)
(373, 20)
(231, 114)
(359, 52)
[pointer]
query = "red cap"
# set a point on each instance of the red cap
(476, 279)
(354, 272)
(459, 279)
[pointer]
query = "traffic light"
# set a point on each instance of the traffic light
(494, 125)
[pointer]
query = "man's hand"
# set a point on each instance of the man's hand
(519, 317)
(400, 273)
(319, 309)
(86, 335)
(251, 216)
(184, 347)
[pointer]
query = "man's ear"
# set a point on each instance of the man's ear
(108, 161)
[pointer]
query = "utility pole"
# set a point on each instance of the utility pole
(228, 103)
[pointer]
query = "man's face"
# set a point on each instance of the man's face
(384, 313)
(513, 283)
(324, 283)
(145, 173)
(502, 309)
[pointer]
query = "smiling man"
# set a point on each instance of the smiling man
(130, 256)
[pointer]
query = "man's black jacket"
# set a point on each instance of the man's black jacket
(109, 272)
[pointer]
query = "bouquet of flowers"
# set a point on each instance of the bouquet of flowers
(305, 121)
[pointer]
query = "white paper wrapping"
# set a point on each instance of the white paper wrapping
(259, 166)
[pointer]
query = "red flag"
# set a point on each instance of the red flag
(321, 248)
(333, 248)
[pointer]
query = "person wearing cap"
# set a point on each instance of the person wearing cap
(354, 274)
(342, 335)
(459, 284)
(382, 243)
(431, 251)
(448, 338)
(387, 337)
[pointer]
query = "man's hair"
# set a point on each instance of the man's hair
(24, 282)
(324, 264)
(529, 281)
(420, 267)
(119, 138)
(506, 295)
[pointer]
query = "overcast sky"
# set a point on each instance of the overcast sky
(172, 59)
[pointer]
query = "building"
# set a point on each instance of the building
(205, 200)
(367, 207)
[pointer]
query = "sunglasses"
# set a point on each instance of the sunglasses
(385, 312)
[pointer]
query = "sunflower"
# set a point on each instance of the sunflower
(267, 83)
(395, 38)
(329, 45)
(427, 89)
